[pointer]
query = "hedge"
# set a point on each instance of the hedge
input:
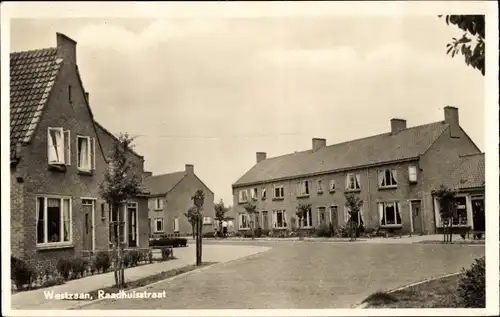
(164, 242)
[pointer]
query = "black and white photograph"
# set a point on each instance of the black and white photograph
(250, 158)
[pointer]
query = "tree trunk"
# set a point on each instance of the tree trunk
(252, 227)
(451, 229)
(198, 242)
(201, 241)
(193, 229)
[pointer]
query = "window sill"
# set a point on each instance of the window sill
(320, 192)
(332, 191)
(158, 209)
(413, 182)
(303, 196)
(57, 168)
(387, 187)
(242, 202)
(353, 190)
(455, 226)
(279, 198)
(56, 245)
(85, 172)
(280, 228)
(390, 226)
(244, 229)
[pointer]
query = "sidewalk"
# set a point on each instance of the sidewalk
(185, 256)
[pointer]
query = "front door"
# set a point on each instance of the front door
(132, 224)
(322, 216)
(416, 216)
(334, 217)
(87, 211)
(265, 221)
(478, 215)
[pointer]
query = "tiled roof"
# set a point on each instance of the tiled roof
(407, 144)
(468, 173)
(162, 184)
(32, 75)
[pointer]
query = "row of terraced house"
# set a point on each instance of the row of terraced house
(394, 174)
(58, 158)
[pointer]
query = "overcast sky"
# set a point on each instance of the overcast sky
(212, 92)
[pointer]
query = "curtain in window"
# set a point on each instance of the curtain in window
(274, 216)
(309, 214)
(83, 154)
(132, 222)
(398, 213)
(381, 214)
(394, 177)
(55, 142)
(66, 220)
(347, 182)
(381, 178)
(358, 181)
(54, 220)
(346, 214)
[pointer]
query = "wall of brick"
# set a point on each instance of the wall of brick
(17, 231)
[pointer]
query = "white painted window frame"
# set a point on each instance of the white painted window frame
(45, 214)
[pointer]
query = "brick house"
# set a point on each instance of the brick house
(58, 159)
(393, 173)
(170, 199)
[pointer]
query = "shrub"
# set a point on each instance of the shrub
(209, 234)
(165, 242)
(135, 257)
(53, 281)
(150, 256)
(471, 290)
(258, 232)
(78, 267)
(20, 272)
(166, 254)
(64, 268)
(323, 231)
(102, 261)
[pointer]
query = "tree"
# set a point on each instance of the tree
(198, 202)
(120, 184)
(190, 215)
(251, 209)
(472, 43)
(220, 212)
(301, 213)
(353, 204)
(448, 208)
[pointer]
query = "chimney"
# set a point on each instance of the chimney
(451, 117)
(318, 143)
(66, 48)
(397, 125)
(261, 156)
(189, 169)
(146, 174)
(87, 97)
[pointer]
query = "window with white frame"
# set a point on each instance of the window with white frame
(459, 218)
(117, 223)
(54, 220)
(332, 185)
(58, 146)
(389, 214)
(279, 219)
(303, 188)
(306, 219)
(158, 204)
(412, 173)
(254, 192)
(387, 178)
(352, 182)
(176, 224)
(158, 224)
(207, 220)
(279, 192)
(264, 193)
(358, 219)
(85, 153)
(243, 196)
(243, 221)
(320, 186)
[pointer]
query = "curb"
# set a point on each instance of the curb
(170, 279)
(363, 305)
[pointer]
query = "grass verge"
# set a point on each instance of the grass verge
(150, 279)
(438, 293)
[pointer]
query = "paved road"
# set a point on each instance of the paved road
(305, 275)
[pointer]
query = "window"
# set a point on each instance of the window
(279, 192)
(243, 196)
(352, 182)
(243, 222)
(176, 224)
(264, 193)
(358, 219)
(117, 223)
(279, 219)
(389, 214)
(460, 216)
(207, 220)
(387, 178)
(254, 193)
(332, 186)
(307, 219)
(412, 173)
(320, 186)
(58, 146)
(85, 153)
(158, 204)
(303, 188)
(158, 224)
(54, 220)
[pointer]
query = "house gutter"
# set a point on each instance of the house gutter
(366, 166)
